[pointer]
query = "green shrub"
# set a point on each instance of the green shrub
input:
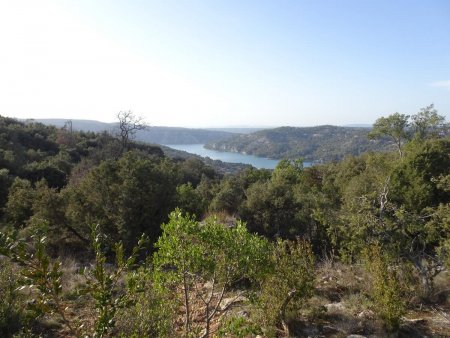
(238, 327)
(385, 289)
(42, 275)
(149, 312)
(10, 306)
(289, 284)
(192, 253)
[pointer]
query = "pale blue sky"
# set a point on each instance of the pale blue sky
(224, 63)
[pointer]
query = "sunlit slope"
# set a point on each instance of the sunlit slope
(321, 143)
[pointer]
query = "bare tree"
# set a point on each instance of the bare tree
(129, 124)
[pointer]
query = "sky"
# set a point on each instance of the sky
(224, 63)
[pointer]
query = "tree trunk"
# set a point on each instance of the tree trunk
(399, 145)
(282, 313)
(425, 277)
(207, 321)
(187, 323)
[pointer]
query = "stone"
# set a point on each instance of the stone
(227, 302)
(335, 306)
(327, 329)
(366, 314)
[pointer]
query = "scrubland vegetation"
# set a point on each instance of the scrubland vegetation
(102, 236)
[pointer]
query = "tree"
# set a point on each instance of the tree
(48, 208)
(126, 197)
(413, 180)
(271, 207)
(189, 200)
(229, 196)
(401, 205)
(395, 126)
(427, 122)
(20, 202)
(129, 124)
(5, 182)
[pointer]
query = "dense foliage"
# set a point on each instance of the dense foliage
(256, 238)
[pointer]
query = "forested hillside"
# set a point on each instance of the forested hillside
(106, 237)
(318, 144)
(152, 134)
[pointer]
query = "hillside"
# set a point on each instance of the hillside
(80, 213)
(154, 134)
(163, 134)
(321, 143)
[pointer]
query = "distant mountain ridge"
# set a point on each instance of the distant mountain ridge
(237, 130)
(83, 125)
(153, 134)
(358, 125)
(319, 144)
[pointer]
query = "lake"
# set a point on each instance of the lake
(257, 162)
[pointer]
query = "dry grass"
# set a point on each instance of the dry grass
(441, 294)
(340, 307)
(343, 291)
(337, 280)
(71, 279)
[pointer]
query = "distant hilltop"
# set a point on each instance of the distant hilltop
(153, 134)
(358, 125)
(319, 144)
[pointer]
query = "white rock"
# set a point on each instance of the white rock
(226, 302)
(366, 314)
(335, 306)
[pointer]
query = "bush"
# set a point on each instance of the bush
(239, 327)
(10, 310)
(385, 289)
(43, 276)
(191, 254)
(289, 284)
(149, 312)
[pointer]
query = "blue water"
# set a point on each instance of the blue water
(257, 162)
